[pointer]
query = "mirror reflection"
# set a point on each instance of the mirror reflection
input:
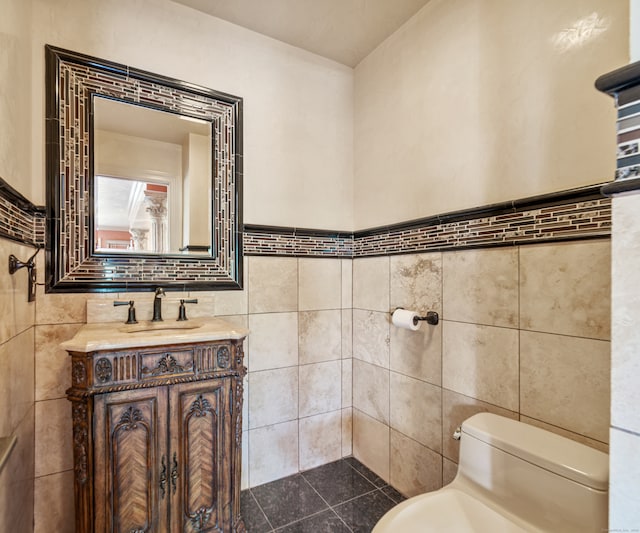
(152, 182)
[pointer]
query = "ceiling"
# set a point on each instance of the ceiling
(343, 30)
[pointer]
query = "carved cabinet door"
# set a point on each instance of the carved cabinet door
(200, 449)
(132, 466)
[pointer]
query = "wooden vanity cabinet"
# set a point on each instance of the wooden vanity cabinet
(157, 439)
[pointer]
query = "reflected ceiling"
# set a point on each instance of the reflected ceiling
(343, 30)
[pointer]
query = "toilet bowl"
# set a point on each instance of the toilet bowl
(512, 477)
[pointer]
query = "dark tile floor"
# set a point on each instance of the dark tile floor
(340, 497)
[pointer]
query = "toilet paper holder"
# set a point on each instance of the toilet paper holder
(431, 317)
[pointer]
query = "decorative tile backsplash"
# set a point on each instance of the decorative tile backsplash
(554, 217)
(584, 215)
(20, 220)
(272, 240)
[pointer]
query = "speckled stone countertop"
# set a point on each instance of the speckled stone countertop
(118, 336)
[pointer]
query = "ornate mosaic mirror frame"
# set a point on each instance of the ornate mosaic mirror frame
(72, 79)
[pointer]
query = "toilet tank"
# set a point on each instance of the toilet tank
(542, 479)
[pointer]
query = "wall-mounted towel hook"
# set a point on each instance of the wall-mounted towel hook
(30, 264)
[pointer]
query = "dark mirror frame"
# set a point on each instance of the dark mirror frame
(72, 79)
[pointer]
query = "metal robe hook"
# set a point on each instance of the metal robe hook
(15, 264)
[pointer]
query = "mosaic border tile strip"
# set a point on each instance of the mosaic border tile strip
(72, 79)
(20, 220)
(568, 215)
(273, 240)
(623, 85)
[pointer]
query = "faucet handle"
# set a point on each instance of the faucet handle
(131, 318)
(182, 311)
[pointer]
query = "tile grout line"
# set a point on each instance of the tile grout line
(261, 509)
(328, 505)
(442, 414)
(298, 354)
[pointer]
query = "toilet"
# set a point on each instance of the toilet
(512, 477)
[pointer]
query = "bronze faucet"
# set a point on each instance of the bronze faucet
(157, 305)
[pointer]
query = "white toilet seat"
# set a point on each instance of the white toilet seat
(445, 510)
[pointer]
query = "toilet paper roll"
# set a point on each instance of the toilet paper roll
(404, 318)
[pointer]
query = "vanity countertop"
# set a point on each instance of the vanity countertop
(117, 336)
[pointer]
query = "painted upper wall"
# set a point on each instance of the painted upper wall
(473, 102)
(15, 88)
(298, 107)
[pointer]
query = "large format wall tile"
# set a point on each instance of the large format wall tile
(371, 337)
(274, 341)
(53, 364)
(244, 475)
(16, 480)
(481, 287)
(602, 446)
(54, 445)
(320, 388)
(273, 452)
(449, 471)
(416, 282)
(416, 410)
(63, 308)
(565, 289)
(456, 408)
(565, 382)
(347, 283)
(371, 284)
(366, 432)
(273, 284)
(625, 358)
(320, 336)
(347, 333)
(417, 353)
(347, 382)
(16, 313)
(347, 432)
(54, 510)
(414, 468)
(481, 362)
(624, 475)
(273, 396)
(18, 381)
(371, 390)
(320, 439)
(320, 283)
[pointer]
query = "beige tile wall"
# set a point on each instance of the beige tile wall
(524, 333)
(16, 393)
(298, 392)
(502, 346)
(624, 491)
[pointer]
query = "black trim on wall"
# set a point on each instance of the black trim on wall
(620, 186)
(574, 214)
(20, 220)
(10, 194)
(580, 194)
(619, 80)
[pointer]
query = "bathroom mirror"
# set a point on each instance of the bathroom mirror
(143, 180)
(151, 180)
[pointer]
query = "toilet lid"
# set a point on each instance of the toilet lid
(445, 510)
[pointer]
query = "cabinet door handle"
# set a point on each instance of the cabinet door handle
(174, 473)
(163, 477)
